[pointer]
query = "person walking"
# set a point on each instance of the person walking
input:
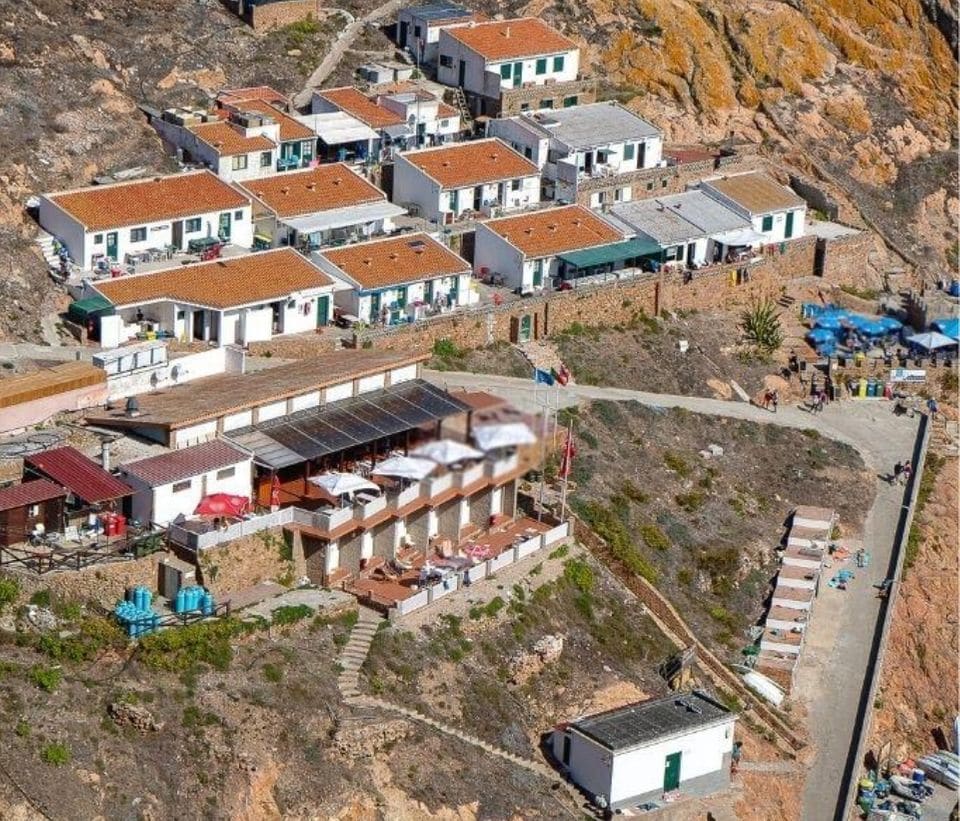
(897, 473)
(933, 409)
(821, 400)
(907, 472)
(776, 400)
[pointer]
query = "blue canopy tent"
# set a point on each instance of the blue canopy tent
(832, 322)
(948, 327)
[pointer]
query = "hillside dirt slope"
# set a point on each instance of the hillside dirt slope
(918, 683)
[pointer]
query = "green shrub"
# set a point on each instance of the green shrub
(22, 729)
(654, 537)
(578, 573)
(690, 502)
(609, 527)
(291, 614)
(609, 413)
(676, 463)
(447, 349)
(46, 678)
(928, 481)
(560, 552)
(183, 648)
(55, 753)
(633, 493)
(9, 590)
(272, 673)
(760, 324)
(194, 717)
(41, 598)
(93, 635)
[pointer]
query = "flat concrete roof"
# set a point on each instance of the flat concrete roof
(594, 124)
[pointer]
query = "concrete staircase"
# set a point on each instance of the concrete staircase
(45, 244)
(354, 653)
(543, 355)
(351, 659)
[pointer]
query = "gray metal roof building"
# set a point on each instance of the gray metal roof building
(648, 721)
(586, 126)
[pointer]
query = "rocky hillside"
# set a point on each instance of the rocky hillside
(856, 94)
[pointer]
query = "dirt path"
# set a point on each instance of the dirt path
(340, 47)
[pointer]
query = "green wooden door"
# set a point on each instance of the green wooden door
(526, 328)
(323, 310)
(517, 74)
(671, 772)
(225, 225)
(112, 246)
(788, 229)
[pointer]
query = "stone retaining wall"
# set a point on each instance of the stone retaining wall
(281, 13)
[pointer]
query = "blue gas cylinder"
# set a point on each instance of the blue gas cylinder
(180, 601)
(206, 603)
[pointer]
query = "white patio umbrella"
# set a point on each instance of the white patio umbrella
(510, 435)
(447, 451)
(405, 467)
(931, 340)
(342, 484)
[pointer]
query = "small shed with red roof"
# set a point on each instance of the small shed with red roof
(33, 506)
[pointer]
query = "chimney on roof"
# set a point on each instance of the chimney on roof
(506, 31)
(552, 226)
(394, 255)
(312, 186)
(133, 407)
(368, 261)
(105, 455)
(337, 181)
(577, 222)
(285, 189)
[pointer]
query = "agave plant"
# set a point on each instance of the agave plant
(760, 323)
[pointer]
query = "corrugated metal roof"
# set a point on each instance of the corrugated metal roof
(649, 721)
(29, 493)
(79, 474)
(185, 463)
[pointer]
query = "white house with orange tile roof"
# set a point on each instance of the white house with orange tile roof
(482, 176)
(526, 251)
(429, 120)
(110, 221)
(487, 58)
(326, 205)
(238, 300)
(399, 279)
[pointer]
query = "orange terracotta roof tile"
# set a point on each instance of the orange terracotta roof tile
(510, 39)
(444, 111)
(471, 163)
(396, 261)
(356, 104)
(555, 231)
(228, 140)
(99, 207)
(290, 129)
(316, 189)
(220, 284)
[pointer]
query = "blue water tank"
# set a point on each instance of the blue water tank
(180, 601)
(206, 603)
(147, 598)
(195, 593)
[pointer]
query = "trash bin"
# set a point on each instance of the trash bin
(862, 388)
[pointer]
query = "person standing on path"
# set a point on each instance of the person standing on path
(897, 473)
(907, 472)
(776, 400)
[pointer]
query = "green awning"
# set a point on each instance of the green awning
(615, 252)
(83, 309)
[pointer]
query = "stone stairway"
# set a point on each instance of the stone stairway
(351, 659)
(543, 355)
(355, 652)
(45, 243)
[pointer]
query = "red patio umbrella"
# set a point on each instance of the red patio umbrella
(223, 504)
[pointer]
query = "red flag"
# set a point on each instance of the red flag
(275, 491)
(569, 451)
(563, 375)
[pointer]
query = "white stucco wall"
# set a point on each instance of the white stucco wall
(493, 253)
(194, 434)
(412, 186)
(166, 504)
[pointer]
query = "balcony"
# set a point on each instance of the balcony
(496, 468)
(332, 519)
(436, 485)
(469, 475)
(406, 496)
(365, 507)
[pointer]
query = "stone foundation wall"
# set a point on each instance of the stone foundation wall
(612, 303)
(283, 13)
(845, 260)
(243, 563)
(512, 99)
(103, 583)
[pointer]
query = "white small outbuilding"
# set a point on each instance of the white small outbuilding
(644, 751)
(172, 484)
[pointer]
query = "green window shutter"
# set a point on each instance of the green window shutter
(542, 65)
(767, 224)
(505, 71)
(628, 151)
(558, 63)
